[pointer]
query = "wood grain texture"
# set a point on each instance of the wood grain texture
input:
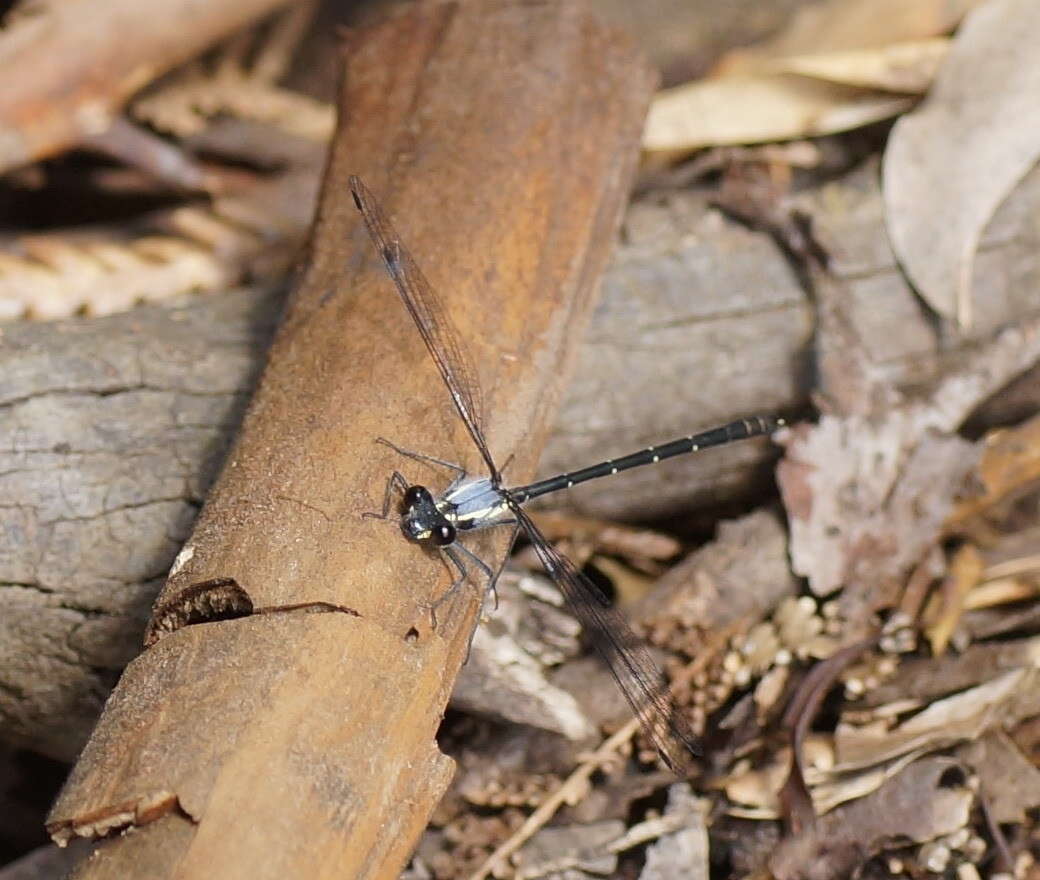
(502, 138)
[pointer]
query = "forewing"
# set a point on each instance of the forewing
(431, 318)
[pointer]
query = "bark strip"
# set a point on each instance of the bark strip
(299, 742)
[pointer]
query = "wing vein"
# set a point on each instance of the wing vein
(626, 655)
(438, 332)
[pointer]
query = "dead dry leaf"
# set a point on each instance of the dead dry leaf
(1010, 461)
(944, 611)
(866, 498)
(240, 80)
(582, 849)
(962, 717)
(950, 164)
(1000, 591)
(757, 791)
(988, 623)
(839, 66)
(868, 494)
(908, 68)
(929, 798)
(839, 25)
(185, 106)
(754, 790)
(754, 109)
(253, 232)
(1008, 779)
(684, 852)
(55, 277)
(921, 679)
(831, 789)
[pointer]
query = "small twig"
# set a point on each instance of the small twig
(272, 61)
(916, 590)
(570, 792)
(574, 786)
(1005, 861)
(795, 797)
(1010, 567)
(944, 612)
(652, 829)
(138, 148)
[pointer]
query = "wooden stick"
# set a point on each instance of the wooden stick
(501, 138)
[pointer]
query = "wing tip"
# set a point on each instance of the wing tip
(357, 189)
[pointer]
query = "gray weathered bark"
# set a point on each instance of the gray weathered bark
(112, 428)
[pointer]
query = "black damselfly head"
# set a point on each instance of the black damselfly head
(423, 521)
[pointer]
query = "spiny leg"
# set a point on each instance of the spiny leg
(484, 567)
(450, 552)
(396, 481)
(418, 456)
(492, 576)
(481, 564)
(493, 583)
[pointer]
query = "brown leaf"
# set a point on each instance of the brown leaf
(906, 67)
(880, 491)
(839, 66)
(929, 798)
(924, 679)
(1010, 460)
(76, 63)
(947, 606)
(963, 716)
(1008, 779)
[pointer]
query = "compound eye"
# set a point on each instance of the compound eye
(415, 495)
(444, 535)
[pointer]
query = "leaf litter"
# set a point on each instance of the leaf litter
(837, 66)
(899, 766)
(247, 225)
(882, 711)
(863, 668)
